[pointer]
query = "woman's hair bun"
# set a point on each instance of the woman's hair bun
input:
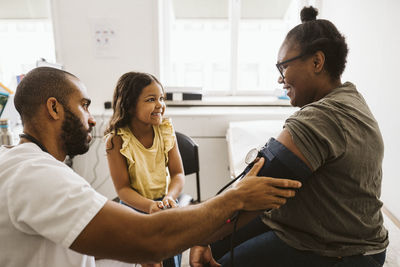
(308, 14)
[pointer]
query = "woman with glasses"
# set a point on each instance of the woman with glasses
(335, 218)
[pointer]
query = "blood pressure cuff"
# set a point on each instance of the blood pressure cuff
(280, 162)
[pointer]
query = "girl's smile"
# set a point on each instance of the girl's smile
(157, 114)
(150, 106)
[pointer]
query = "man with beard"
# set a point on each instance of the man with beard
(74, 134)
(50, 216)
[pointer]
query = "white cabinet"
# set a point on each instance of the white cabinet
(214, 166)
(93, 166)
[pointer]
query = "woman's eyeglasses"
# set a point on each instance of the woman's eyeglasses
(280, 65)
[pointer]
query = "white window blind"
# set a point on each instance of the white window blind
(24, 9)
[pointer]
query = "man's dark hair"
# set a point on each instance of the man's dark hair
(320, 35)
(39, 85)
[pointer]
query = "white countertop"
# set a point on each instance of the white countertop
(213, 110)
(221, 105)
(233, 101)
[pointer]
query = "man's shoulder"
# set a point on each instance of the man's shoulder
(24, 162)
(27, 153)
(20, 154)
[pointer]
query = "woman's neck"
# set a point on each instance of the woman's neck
(326, 88)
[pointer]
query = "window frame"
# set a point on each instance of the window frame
(233, 67)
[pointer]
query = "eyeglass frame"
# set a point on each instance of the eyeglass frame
(278, 65)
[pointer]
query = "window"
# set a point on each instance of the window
(226, 47)
(24, 42)
(26, 36)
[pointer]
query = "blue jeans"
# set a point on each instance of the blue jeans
(257, 245)
(174, 261)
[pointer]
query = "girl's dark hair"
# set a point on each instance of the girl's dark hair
(126, 94)
(314, 35)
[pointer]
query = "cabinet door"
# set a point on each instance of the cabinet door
(214, 165)
(93, 166)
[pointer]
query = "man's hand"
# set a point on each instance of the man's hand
(261, 193)
(201, 256)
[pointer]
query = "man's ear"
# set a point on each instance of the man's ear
(319, 61)
(53, 108)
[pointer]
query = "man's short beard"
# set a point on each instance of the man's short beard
(74, 135)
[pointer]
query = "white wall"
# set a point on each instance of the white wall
(133, 47)
(372, 29)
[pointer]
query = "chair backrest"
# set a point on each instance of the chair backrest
(189, 153)
(190, 157)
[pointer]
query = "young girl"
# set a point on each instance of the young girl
(140, 145)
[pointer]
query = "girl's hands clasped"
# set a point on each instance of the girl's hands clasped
(155, 206)
(169, 202)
